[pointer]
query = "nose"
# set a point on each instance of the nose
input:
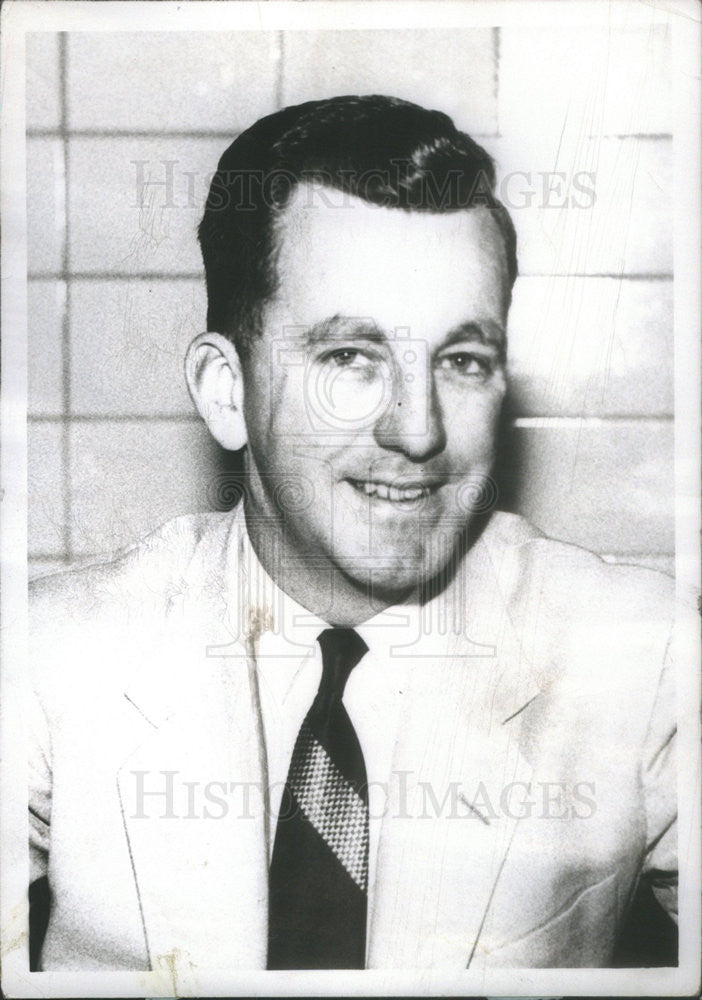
(412, 423)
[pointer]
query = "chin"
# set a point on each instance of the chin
(397, 579)
(395, 586)
(432, 562)
(402, 562)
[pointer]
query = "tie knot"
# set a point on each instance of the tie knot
(342, 649)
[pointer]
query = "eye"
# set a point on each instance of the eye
(344, 357)
(465, 363)
(356, 361)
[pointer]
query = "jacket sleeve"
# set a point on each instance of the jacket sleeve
(39, 788)
(659, 778)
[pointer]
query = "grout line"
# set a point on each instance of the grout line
(579, 421)
(63, 87)
(632, 135)
(496, 78)
(116, 276)
(279, 69)
(99, 418)
(620, 276)
(122, 133)
(65, 319)
(64, 419)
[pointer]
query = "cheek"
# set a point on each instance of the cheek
(272, 410)
(472, 421)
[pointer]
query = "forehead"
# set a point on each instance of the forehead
(342, 255)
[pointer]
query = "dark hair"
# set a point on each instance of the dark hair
(384, 150)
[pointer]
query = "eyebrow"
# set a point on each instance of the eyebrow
(487, 333)
(339, 326)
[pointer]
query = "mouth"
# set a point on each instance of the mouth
(398, 493)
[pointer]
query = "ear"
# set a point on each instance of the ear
(214, 377)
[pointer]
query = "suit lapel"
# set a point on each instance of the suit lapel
(449, 825)
(198, 846)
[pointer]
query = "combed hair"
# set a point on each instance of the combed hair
(381, 149)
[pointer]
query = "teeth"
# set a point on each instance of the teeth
(412, 493)
(395, 494)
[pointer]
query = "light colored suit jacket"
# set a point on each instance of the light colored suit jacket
(533, 774)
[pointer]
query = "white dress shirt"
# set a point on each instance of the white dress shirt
(289, 670)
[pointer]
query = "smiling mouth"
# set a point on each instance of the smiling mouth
(406, 493)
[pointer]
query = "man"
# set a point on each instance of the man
(361, 720)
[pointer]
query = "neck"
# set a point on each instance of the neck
(323, 590)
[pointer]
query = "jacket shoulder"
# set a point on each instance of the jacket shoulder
(593, 636)
(574, 582)
(136, 585)
(605, 626)
(145, 570)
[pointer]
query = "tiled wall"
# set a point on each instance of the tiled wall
(123, 133)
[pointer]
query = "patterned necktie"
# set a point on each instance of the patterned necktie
(318, 883)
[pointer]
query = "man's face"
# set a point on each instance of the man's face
(372, 398)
